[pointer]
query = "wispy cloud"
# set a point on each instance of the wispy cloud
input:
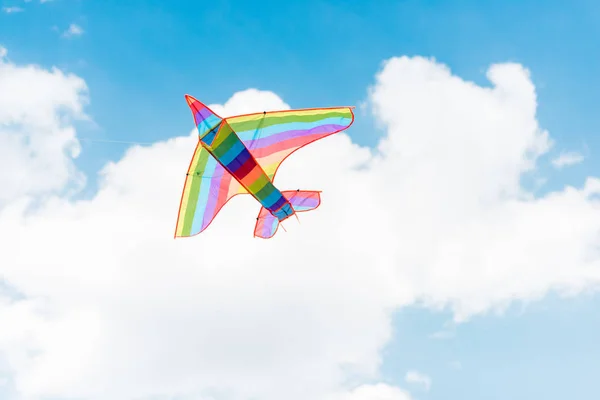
(567, 159)
(418, 378)
(73, 30)
(11, 10)
(3, 52)
(442, 335)
(455, 365)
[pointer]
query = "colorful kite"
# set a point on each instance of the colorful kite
(241, 154)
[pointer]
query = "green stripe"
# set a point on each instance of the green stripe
(285, 117)
(265, 191)
(223, 133)
(259, 183)
(221, 149)
(199, 167)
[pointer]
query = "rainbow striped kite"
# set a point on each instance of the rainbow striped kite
(241, 154)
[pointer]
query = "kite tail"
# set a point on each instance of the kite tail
(301, 200)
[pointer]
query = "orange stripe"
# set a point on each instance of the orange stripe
(252, 176)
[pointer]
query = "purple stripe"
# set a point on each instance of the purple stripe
(291, 143)
(265, 229)
(286, 135)
(269, 228)
(304, 201)
(202, 114)
(211, 203)
(278, 204)
(238, 161)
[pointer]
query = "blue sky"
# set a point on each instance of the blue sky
(548, 349)
(139, 58)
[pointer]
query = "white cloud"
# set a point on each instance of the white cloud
(567, 159)
(12, 10)
(419, 378)
(444, 334)
(117, 309)
(378, 391)
(73, 30)
(455, 365)
(3, 53)
(37, 140)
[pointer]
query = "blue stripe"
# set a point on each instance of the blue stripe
(205, 191)
(232, 153)
(284, 212)
(274, 225)
(210, 136)
(237, 162)
(207, 124)
(272, 198)
(278, 203)
(301, 207)
(275, 129)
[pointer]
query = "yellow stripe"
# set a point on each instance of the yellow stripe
(184, 204)
(186, 193)
(272, 161)
(252, 117)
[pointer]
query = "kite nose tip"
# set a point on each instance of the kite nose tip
(189, 99)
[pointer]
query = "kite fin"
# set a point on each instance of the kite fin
(266, 224)
(301, 200)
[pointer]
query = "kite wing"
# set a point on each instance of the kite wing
(208, 186)
(272, 136)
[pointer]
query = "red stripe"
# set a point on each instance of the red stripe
(287, 144)
(252, 176)
(225, 183)
(245, 168)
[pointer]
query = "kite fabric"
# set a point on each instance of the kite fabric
(241, 155)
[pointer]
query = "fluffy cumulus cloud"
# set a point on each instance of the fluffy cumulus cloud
(100, 302)
(37, 138)
(378, 391)
(468, 234)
